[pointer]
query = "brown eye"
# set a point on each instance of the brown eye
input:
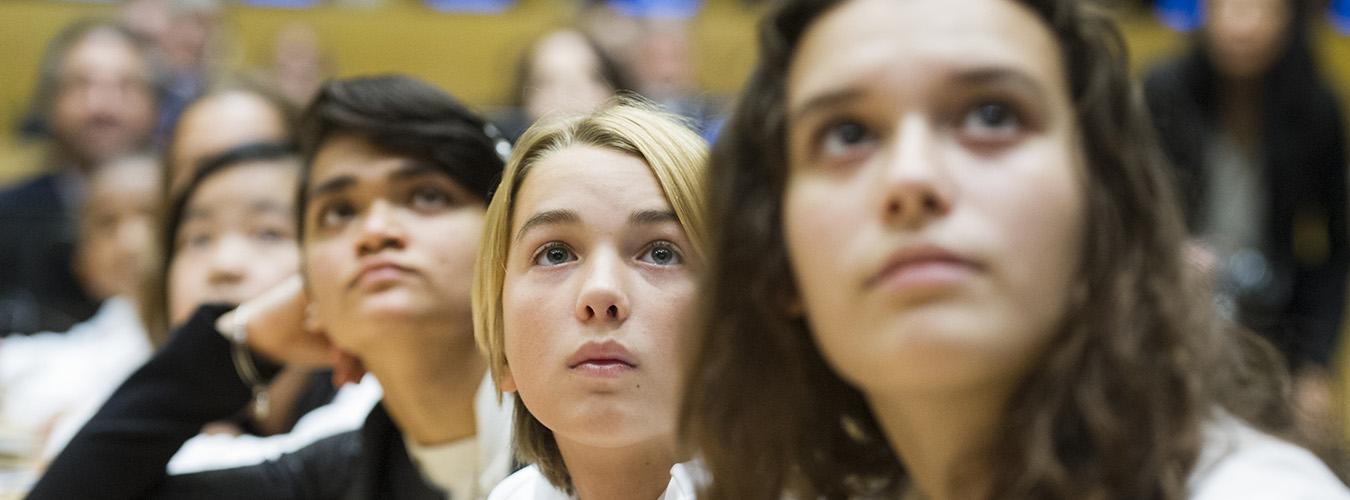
(844, 138)
(991, 122)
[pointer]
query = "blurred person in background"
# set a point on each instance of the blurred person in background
(1259, 145)
(563, 72)
(48, 375)
(95, 99)
(188, 43)
(299, 64)
(233, 112)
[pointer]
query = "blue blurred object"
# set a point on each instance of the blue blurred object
(668, 9)
(1181, 15)
(1340, 15)
(472, 6)
(282, 4)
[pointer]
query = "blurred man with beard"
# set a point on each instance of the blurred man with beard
(96, 101)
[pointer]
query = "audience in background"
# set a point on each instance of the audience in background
(95, 99)
(1258, 140)
(563, 72)
(49, 376)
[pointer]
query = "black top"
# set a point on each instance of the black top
(123, 451)
(1303, 174)
(38, 289)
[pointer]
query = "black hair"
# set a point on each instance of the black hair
(406, 117)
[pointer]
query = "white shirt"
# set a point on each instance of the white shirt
(346, 412)
(1239, 462)
(50, 377)
(470, 468)
(530, 484)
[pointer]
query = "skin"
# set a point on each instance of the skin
(564, 77)
(104, 106)
(117, 227)
(216, 123)
(933, 213)
(389, 247)
(1245, 37)
(236, 239)
(599, 275)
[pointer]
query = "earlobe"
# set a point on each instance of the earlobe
(506, 383)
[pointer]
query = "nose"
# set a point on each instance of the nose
(916, 187)
(229, 262)
(380, 230)
(602, 299)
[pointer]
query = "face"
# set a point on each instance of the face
(933, 209)
(217, 123)
(236, 238)
(565, 77)
(103, 105)
(594, 298)
(116, 227)
(389, 244)
(1244, 37)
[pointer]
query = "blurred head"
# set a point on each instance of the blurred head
(944, 197)
(96, 93)
(566, 72)
(299, 65)
(1244, 38)
(231, 232)
(228, 116)
(116, 232)
(397, 174)
(585, 276)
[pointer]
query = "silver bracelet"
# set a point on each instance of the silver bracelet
(237, 333)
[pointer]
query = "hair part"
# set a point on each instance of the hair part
(676, 157)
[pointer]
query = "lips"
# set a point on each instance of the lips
(921, 267)
(378, 272)
(602, 359)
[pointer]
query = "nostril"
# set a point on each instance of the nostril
(613, 311)
(590, 313)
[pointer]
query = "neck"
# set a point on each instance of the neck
(940, 438)
(429, 390)
(639, 472)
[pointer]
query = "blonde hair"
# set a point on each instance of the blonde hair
(677, 157)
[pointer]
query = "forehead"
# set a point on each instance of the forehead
(594, 180)
(245, 184)
(920, 40)
(346, 155)
(102, 51)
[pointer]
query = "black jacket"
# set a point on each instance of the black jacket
(1304, 175)
(38, 290)
(122, 452)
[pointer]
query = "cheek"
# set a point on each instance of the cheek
(818, 230)
(527, 323)
(185, 286)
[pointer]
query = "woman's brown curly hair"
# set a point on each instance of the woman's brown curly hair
(1116, 407)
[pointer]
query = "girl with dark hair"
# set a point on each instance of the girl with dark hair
(1259, 145)
(949, 265)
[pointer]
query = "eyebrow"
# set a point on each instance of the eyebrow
(999, 76)
(402, 173)
(333, 185)
(550, 217)
(648, 217)
(268, 206)
(983, 76)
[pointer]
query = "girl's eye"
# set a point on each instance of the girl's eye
(991, 122)
(199, 240)
(270, 235)
(336, 214)
(662, 254)
(554, 254)
(429, 198)
(843, 139)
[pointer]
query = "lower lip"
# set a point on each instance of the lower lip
(602, 369)
(925, 277)
(380, 276)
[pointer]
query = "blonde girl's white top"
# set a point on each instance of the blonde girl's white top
(1241, 463)
(530, 484)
